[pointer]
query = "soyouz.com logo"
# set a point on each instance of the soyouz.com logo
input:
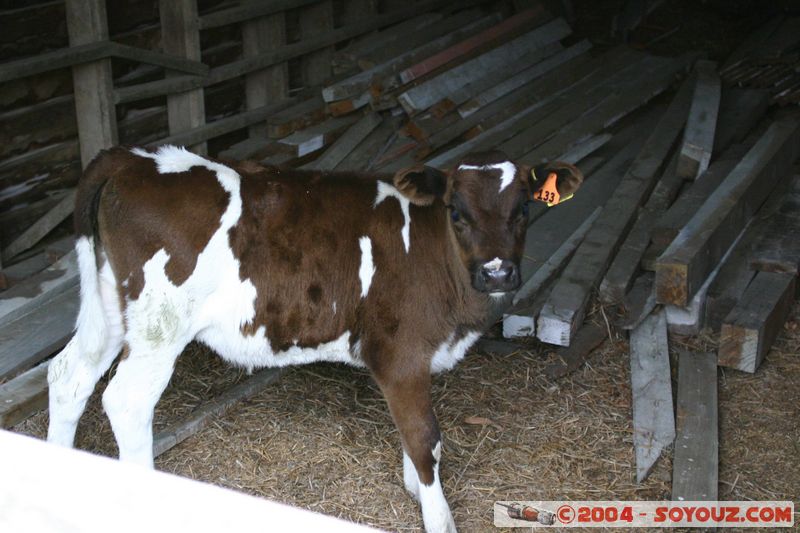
(643, 514)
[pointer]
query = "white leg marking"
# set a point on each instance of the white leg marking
(507, 171)
(367, 268)
(451, 352)
(132, 395)
(410, 477)
(435, 512)
(384, 191)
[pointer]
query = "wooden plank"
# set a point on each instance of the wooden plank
(37, 290)
(571, 358)
(316, 137)
(32, 337)
(776, 248)
(205, 413)
(565, 130)
(23, 396)
(696, 462)
(363, 154)
(529, 17)
(92, 82)
(416, 39)
(180, 35)
(694, 253)
(356, 50)
(567, 304)
(296, 117)
(357, 83)
(522, 78)
(519, 320)
(247, 12)
(429, 92)
(651, 390)
(751, 327)
(488, 79)
(226, 125)
(315, 20)
(41, 227)
(698, 137)
(734, 275)
(270, 85)
(346, 143)
(625, 265)
(639, 302)
(243, 66)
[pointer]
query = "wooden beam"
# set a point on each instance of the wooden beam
(525, 18)
(653, 78)
(92, 82)
(205, 413)
(23, 396)
(519, 320)
(566, 307)
(366, 151)
(522, 78)
(41, 227)
(346, 143)
(180, 35)
(241, 67)
(33, 337)
(776, 248)
(315, 20)
(354, 85)
(270, 85)
(694, 253)
(696, 462)
(752, 326)
(225, 125)
(698, 137)
(651, 388)
(296, 117)
(428, 93)
(571, 358)
(316, 137)
(248, 12)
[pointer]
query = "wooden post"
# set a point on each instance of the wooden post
(270, 85)
(92, 82)
(315, 20)
(180, 36)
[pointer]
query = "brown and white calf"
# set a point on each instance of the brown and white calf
(272, 267)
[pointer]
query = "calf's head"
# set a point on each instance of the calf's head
(488, 198)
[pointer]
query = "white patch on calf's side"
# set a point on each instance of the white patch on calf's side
(507, 171)
(385, 190)
(452, 351)
(367, 268)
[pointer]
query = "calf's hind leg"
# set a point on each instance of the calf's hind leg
(409, 401)
(131, 397)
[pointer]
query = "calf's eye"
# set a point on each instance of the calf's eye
(455, 216)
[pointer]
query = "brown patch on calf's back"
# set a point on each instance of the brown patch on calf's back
(142, 211)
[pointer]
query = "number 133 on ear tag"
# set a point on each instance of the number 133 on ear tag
(548, 193)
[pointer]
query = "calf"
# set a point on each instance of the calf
(274, 267)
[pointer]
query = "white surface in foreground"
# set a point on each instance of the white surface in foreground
(47, 489)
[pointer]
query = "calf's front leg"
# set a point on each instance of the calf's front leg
(409, 400)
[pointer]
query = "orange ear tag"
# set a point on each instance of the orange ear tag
(549, 192)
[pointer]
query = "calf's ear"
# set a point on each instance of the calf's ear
(421, 184)
(568, 181)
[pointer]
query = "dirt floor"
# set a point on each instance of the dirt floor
(321, 437)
